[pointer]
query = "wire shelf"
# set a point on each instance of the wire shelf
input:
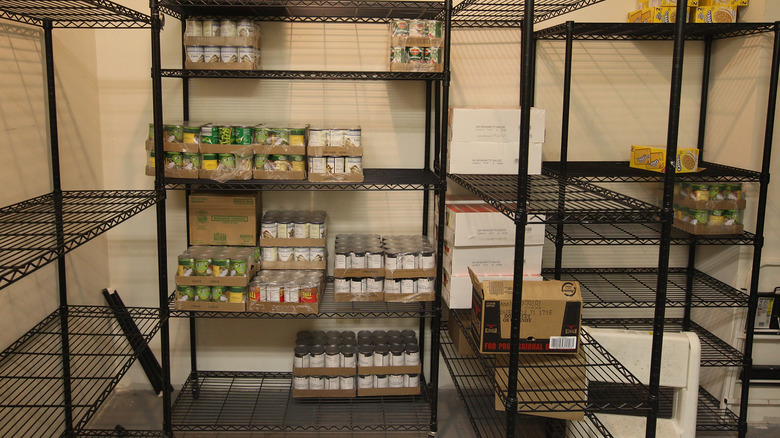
(89, 14)
(639, 234)
(262, 401)
(509, 13)
(328, 309)
(546, 388)
(31, 385)
(607, 288)
(120, 433)
(476, 392)
(29, 229)
(374, 179)
(653, 31)
(297, 75)
(559, 199)
(714, 351)
(317, 11)
(711, 417)
(620, 171)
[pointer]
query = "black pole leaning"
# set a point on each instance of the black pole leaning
(567, 65)
(162, 246)
(521, 215)
(758, 245)
(667, 216)
(441, 193)
(54, 147)
(690, 272)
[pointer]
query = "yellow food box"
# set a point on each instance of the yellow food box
(715, 14)
(663, 15)
(635, 17)
(651, 3)
(653, 158)
(723, 3)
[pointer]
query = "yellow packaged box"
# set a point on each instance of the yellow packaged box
(663, 15)
(715, 14)
(651, 3)
(723, 3)
(653, 158)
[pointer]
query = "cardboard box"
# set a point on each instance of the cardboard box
(491, 158)
(497, 125)
(456, 290)
(708, 230)
(551, 315)
(427, 68)
(267, 149)
(347, 297)
(174, 147)
(715, 14)
(291, 241)
(409, 298)
(238, 280)
(411, 369)
(209, 306)
(663, 15)
(373, 392)
(459, 340)
(323, 393)
(482, 225)
(545, 381)
(490, 260)
(175, 173)
(189, 65)
(653, 158)
(288, 175)
(294, 265)
(291, 308)
(236, 41)
(224, 219)
(725, 204)
(635, 17)
(723, 3)
(410, 273)
(336, 177)
(324, 371)
(337, 151)
(363, 273)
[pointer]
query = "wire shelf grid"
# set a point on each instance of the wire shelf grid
(620, 171)
(639, 234)
(89, 14)
(508, 13)
(653, 31)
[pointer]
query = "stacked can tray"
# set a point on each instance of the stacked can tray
(335, 154)
(293, 239)
(222, 44)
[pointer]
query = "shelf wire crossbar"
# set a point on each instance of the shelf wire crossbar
(304, 74)
(639, 234)
(712, 417)
(475, 389)
(509, 13)
(85, 14)
(29, 229)
(31, 397)
(328, 308)
(631, 288)
(262, 401)
(652, 31)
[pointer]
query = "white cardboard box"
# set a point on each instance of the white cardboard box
(457, 289)
(483, 225)
(491, 158)
(499, 125)
(490, 260)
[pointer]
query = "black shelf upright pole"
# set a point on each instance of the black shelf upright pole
(427, 158)
(54, 146)
(440, 193)
(758, 245)
(521, 216)
(567, 65)
(667, 215)
(162, 246)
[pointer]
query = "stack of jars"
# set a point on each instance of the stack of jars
(318, 349)
(218, 294)
(216, 261)
(408, 252)
(293, 224)
(359, 251)
(387, 349)
(285, 286)
(207, 31)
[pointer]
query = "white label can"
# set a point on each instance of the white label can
(268, 229)
(354, 165)
(245, 28)
(210, 28)
(194, 28)
(341, 260)
(365, 382)
(338, 165)
(301, 230)
(413, 381)
(392, 286)
(357, 259)
(317, 165)
(374, 260)
(375, 284)
(382, 381)
(300, 382)
(425, 285)
(318, 137)
(270, 254)
(302, 254)
(407, 286)
(211, 53)
(195, 53)
(332, 360)
(333, 382)
(317, 254)
(316, 383)
(381, 360)
(411, 358)
(396, 380)
(285, 254)
(228, 28)
(408, 261)
(356, 285)
(301, 362)
(347, 382)
(291, 293)
(348, 362)
(274, 292)
(391, 262)
(341, 285)
(228, 54)
(246, 54)
(336, 137)
(352, 138)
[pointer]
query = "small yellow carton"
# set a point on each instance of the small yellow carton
(663, 15)
(653, 158)
(651, 3)
(715, 14)
(723, 2)
(635, 17)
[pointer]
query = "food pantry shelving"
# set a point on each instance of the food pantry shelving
(659, 288)
(57, 375)
(260, 400)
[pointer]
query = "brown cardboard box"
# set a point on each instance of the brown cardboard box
(294, 265)
(224, 218)
(339, 151)
(373, 392)
(267, 149)
(410, 273)
(281, 175)
(276, 241)
(238, 280)
(291, 308)
(557, 381)
(409, 298)
(708, 230)
(336, 177)
(551, 316)
(348, 273)
(209, 306)
(174, 147)
(459, 341)
(346, 297)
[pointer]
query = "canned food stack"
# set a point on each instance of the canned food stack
(222, 44)
(709, 208)
(280, 152)
(181, 149)
(416, 45)
(291, 239)
(410, 268)
(335, 154)
(699, 11)
(214, 277)
(296, 292)
(388, 363)
(325, 364)
(358, 268)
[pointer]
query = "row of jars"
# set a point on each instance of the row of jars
(228, 161)
(226, 27)
(711, 191)
(335, 164)
(386, 285)
(416, 28)
(209, 133)
(216, 261)
(363, 337)
(709, 217)
(283, 286)
(218, 294)
(289, 254)
(365, 381)
(221, 54)
(297, 224)
(336, 137)
(370, 251)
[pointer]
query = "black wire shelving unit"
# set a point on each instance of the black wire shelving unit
(638, 234)
(299, 75)
(619, 172)
(508, 13)
(56, 376)
(32, 401)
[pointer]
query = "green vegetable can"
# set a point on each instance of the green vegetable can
(259, 161)
(227, 161)
(219, 294)
(203, 293)
(225, 134)
(242, 135)
(192, 160)
(209, 134)
(185, 293)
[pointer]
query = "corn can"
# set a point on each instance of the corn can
(228, 54)
(259, 161)
(227, 161)
(192, 161)
(209, 162)
(297, 162)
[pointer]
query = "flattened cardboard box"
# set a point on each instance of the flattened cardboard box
(323, 393)
(550, 316)
(224, 219)
(459, 341)
(372, 392)
(323, 371)
(347, 297)
(543, 381)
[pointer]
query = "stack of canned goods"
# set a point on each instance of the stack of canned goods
(387, 349)
(208, 28)
(293, 253)
(416, 42)
(216, 261)
(408, 252)
(335, 137)
(335, 165)
(319, 349)
(220, 294)
(285, 286)
(294, 224)
(710, 194)
(275, 136)
(359, 251)
(279, 162)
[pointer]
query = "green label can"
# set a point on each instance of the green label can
(227, 161)
(238, 266)
(173, 133)
(433, 55)
(434, 28)
(242, 135)
(732, 217)
(174, 160)
(150, 159)
(220, 267)
(236, 294)
(414, 55)
(192, 160)
(398, 55)
(400, 28)
(191, 134)
(203, 266)
(203, 293)
(279, 162)
(259, 134)
(259, 161)
(151, 131)
(700, 217)
(298, 137)
(209, 134)
(186, 293)
(225, 134)
(278, 137)
(218, 294)
(297, 162)
(186, 266)
(209, 162)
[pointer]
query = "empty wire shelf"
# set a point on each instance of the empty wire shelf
(653, 31)
(711, 417)
(262, 401)
(29, 230)
(559, 199)
(508, 13)
(620, 171)
(92, 14)
(635, 288)
(374, 179)
(31, 377)
(475, 389)
(639, 234)
(297, 75)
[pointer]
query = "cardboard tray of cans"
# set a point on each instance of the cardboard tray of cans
(268, 149)
(726, 204)
(243, 170)
(292, 241)
(197, 280)
(708, 230)
(320, 265)
(365, 272)
(281, 175)
(174, 147)
(336, 177)
(342, 151)
(373, 392)
(416, 41)
(388, 370)
(418, 67)
(189, 65)
(346, 297)
(236, 41)
(324, 371)
(409, 298)
(210, 306)
(293, 308)
(398, 369)
(410, 273)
